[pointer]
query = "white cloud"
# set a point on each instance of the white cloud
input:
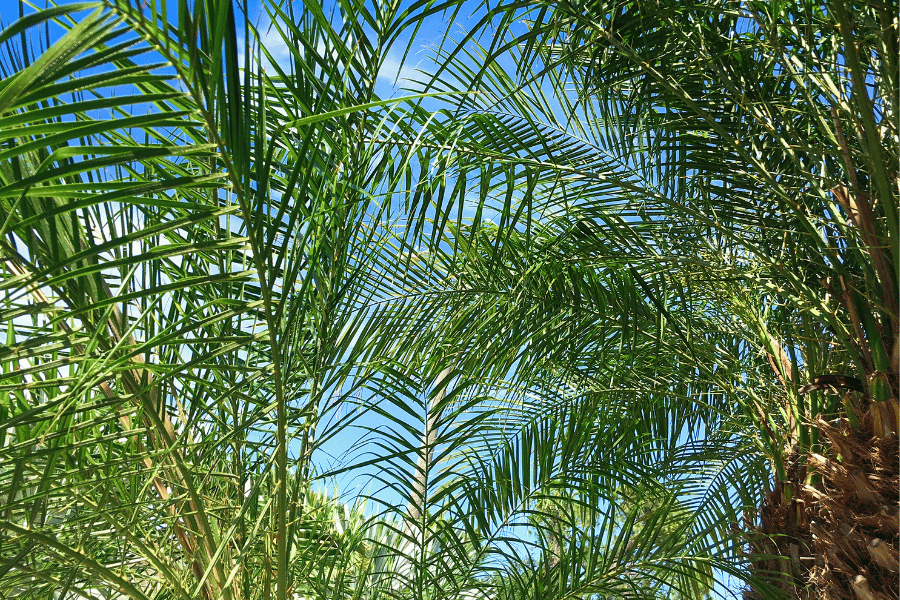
(394, 73)
(270, 37)
(271, 40)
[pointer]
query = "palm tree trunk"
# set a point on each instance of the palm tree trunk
(837, 539)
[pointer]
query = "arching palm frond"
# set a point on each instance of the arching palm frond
(711, 143)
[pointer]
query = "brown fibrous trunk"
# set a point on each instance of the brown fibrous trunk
(836, 539)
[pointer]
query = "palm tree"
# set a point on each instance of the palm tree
(188, 244)
(535, 304)
(731, 170)
(215, 263)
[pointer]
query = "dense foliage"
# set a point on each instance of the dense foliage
(605, 306)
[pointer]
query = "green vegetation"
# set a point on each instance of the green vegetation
(605, 307)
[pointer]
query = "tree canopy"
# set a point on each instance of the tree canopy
(604, 305)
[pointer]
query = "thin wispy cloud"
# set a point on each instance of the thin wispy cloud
(271, 39)
(395, 73)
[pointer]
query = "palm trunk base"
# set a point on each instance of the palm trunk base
(837, 539)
